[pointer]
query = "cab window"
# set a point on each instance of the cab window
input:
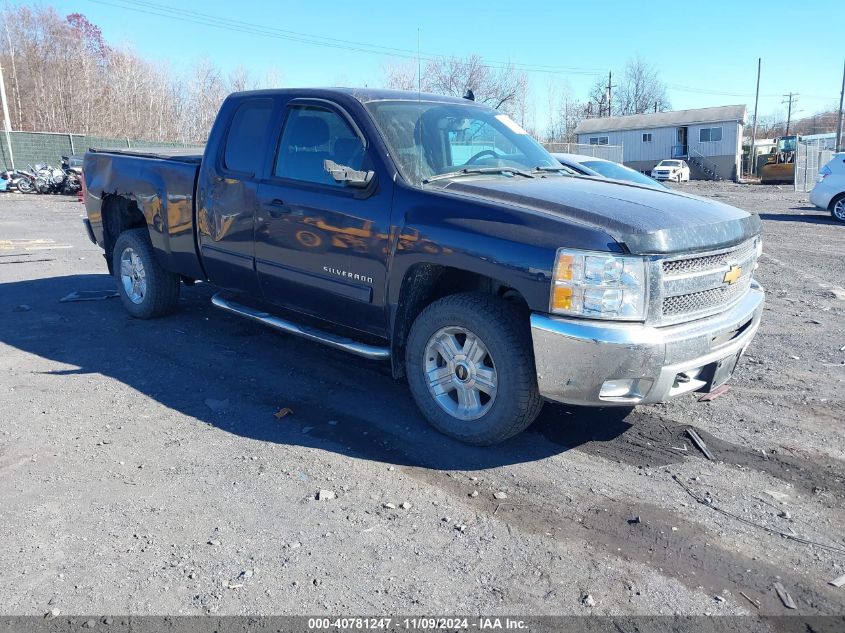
(246, 136)
(311, 136)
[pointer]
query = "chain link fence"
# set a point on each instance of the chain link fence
(29, 148)
(810, 156)
(607, 152)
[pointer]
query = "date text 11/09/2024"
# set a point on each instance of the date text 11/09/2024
(417, 623)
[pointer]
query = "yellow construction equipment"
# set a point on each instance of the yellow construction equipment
(780, 164)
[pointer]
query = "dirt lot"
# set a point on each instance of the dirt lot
(142, 469)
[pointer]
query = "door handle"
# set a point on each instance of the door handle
(277, 208)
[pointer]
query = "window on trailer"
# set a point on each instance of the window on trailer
(599, 140)
(646, 137)
(709, 135)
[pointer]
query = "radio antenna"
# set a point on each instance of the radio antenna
(419, 109)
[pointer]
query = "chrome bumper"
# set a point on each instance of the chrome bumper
(597, 363)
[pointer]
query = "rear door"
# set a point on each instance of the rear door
(322, 246)
(226, 219)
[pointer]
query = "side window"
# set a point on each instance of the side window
(710, 134)
(246, 136)
(311, 136)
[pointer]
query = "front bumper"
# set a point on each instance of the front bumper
(665, 176)
(821, 195)
(596, 363)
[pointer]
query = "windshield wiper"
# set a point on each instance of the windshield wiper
(562, 169)
(468, 171)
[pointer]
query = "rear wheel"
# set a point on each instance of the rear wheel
(837, 208)
(470, 367)
(146, 289)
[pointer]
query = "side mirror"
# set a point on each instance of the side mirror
(347, 175)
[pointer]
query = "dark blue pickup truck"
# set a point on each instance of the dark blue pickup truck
(436, 234)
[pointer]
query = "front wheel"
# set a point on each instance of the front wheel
(25, 185)
(146, 289)
(470, 367)
(837, 208)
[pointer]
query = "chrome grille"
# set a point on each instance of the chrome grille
(705, 300)
(707, 262)
(694, 286)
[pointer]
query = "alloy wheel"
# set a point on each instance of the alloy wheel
(460, 373)
(133, 276)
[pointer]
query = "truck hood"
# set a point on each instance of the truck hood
(645, 220)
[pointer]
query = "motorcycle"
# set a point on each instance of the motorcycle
(73, 177)
(49, 179)
(23, 181)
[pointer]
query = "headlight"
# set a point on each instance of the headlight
(599, 285)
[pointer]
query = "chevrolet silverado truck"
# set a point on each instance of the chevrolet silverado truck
(435, 234)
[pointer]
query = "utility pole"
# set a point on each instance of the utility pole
(753, 156)
(7, 123)
(610, 88)
(790, 99)
(839, 119)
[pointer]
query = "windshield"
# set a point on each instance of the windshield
(669, 163)
(787, 144)
(619, 172)
(429, 138)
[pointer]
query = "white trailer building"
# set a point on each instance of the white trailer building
(709, 139)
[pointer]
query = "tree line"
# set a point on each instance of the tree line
(62, 76)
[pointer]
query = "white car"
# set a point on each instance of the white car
(829, 192)
(676, 170)
(601, 168)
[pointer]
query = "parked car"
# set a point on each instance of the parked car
(601, 168)
(676, 170)
(829, 191)
(434, 233)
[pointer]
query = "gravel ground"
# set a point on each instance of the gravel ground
(142, 469)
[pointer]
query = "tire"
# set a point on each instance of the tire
(25, 185)
(146, 289)
(503, 337)
(837, 208)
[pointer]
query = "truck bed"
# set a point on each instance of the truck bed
(161, 183)
(179, 154)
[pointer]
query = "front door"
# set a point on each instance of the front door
(682, 142)
(321, 246)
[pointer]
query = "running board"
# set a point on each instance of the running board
(326, 338)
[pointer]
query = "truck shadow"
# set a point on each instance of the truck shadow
(235, 375)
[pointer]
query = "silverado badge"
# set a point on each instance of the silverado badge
(733, 275)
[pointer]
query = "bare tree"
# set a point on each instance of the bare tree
(63, 77)
(598, 100)
(499, 87)
(640, 90)
(565, 112)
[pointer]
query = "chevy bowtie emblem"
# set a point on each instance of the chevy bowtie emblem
(733, 275)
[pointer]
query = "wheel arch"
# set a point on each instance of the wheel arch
(423, 284)
(119, 214)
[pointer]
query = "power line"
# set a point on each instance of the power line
(204, 19)
(227, 23)
(720, 93)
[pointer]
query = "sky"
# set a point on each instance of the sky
(706, 53)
